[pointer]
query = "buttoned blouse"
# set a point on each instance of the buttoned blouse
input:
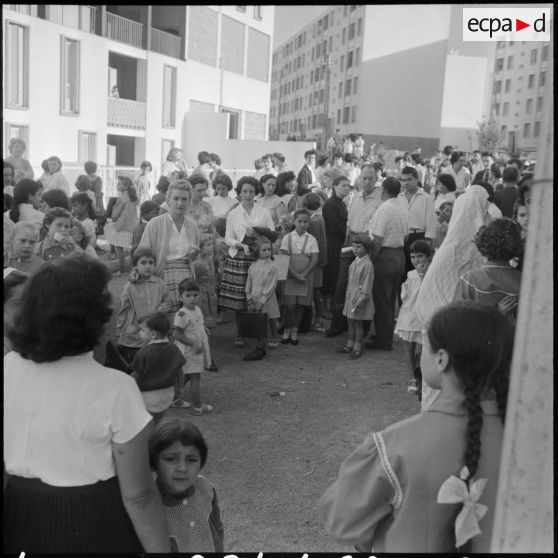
(421, 212)
(362, 209)
(238, 220)
(179, 244)
(391, 223)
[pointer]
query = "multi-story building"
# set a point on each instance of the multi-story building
(520, 79)
(397, 74)
(62, 63)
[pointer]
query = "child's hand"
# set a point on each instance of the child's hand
(508, 304)
(246, 249)
(251, 306)
(422, 267)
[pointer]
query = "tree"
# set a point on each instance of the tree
(489, 133)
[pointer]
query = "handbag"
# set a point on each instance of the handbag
(252, 324)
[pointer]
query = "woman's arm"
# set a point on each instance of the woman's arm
(139, 493)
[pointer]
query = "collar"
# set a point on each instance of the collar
(158, 341)
(361, 193)
(456, 406)
(175, 499)
(300, 235)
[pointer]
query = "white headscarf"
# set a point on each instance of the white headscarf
(456, 255)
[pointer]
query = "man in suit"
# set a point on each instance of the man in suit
(307, 175)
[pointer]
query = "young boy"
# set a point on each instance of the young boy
(21, 257)
(158, 365)
(148, 210)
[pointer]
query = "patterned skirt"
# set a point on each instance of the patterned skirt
(122, 239)
(174, 272)
(232, 295)
(41, 518)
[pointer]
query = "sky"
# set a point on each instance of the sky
(290, 19)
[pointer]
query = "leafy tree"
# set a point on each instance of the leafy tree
(489, 133)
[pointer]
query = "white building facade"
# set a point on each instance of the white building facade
(62, 63)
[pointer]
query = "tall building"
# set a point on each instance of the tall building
(397, 74)
(116, 83)
(520, 79)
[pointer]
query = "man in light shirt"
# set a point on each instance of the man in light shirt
(459, 171)
(477, 164)
(387, 229)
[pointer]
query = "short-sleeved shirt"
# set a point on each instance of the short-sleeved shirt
(297, 242)
(60, 418)
(179, 244)
(362, 209)
(422, 217)
(390, 222)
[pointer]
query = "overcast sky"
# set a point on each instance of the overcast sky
(290, 19)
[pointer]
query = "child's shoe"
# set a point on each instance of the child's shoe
(203, 410)
(212, 367)
(180, 404)
(412, 388)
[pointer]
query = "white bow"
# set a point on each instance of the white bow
(455, 491)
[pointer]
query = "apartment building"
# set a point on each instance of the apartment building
(117, 83)
(518, 88)
(397, 74)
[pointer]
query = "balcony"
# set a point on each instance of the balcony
(165, 43)
(124, 30)
(26, 9)
(78, 17)
(125, 113)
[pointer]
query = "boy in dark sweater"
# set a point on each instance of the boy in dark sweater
(157, 367)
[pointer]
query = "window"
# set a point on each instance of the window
(539, 104)
(338, 116)
(21, 132)
(497, 87)
(346, 112)
(359, 27)
(17, 65)
(348, 87)
(508, 85)
(357, 57)
(534, 56)
(326, 22)
(351, 33)
(544, 53)
(343, 35)
(312, 54)
(69, 78)
(349, 60)
(510, 63)
(355, 86)
(321, 95)
(316, 95)
(331, 19)
(353, 114)
(506, 110)
(340, 89)
(169, 96)
(529, 106)
(329, 44)
(312, 76)
(345, 10)
(314, 117)
(342, 63)
(526, 130)
(87, 146)
(542, 79)
(353, 7)
(234, 122)
(531, 83)
(497, 109)
(319, 50)
(536, 129)
(499, 64)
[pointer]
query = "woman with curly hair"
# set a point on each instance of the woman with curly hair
(75, 432)
(496, 283)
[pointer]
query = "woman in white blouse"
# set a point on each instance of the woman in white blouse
(239, 237)
(221, 202)
(26, 202)
(270, 200)
(445, 190)
(75, 432)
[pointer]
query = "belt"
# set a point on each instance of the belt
(414, 231)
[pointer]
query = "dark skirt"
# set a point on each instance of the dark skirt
(40, 518)
(232, 295)
(331, 270)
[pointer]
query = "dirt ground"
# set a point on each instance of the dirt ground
(272, 456)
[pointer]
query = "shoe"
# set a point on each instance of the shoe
(203, 410)
(293, 341)
(333, 332)
(180, 404)
(373, 346)
(256, 354)
(212, 367)
(273, 344)
(319, 328)
(412, 388)
(355, 354)
(285, 341)
(345, 350)
(239, 342)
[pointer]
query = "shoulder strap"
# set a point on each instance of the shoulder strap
(304, 244)
(290, 243)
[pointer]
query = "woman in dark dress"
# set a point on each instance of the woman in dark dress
(334, 212)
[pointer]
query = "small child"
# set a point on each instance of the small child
(58, 242)
(124, 219)
(144, 293)
(177, 453)
(221, 250)
(24, 239)
(148, 210)
(303, 250)
(495, 283)
(77, 232)
(83, 185)
(190, 335)
(158, 365)
(404, 474)
(143, 182)
(359, 305)
(96, 186)
(409, 327)
(204, 275)
(260, 295)
(82, 209)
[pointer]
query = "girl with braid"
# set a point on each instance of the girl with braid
(428, 483)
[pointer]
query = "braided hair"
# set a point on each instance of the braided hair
(479, 341)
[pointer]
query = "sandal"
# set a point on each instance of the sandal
(204, 409)
(239, 342)
(355, 354)
(346, 350)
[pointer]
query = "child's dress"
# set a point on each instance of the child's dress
(194, 520)
(89, 231)
(260, 285)
(124, 219)
(204, 275)
(190, 322)
(409, 327)
(361, 280)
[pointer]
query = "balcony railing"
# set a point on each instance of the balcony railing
(125, 113)
(165, 43)
(124, 30)
(27, 9)
(76, 16)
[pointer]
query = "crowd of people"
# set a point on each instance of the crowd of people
(427, 251)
